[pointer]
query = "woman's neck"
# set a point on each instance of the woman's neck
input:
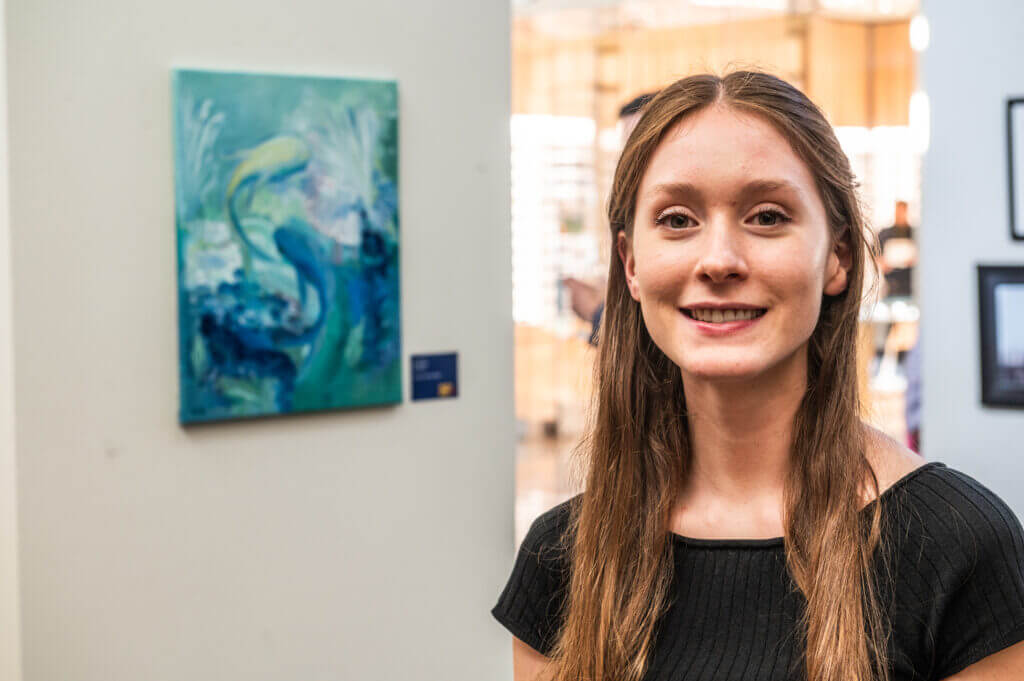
(741, 432)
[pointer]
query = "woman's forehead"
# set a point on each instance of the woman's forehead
(721, 149)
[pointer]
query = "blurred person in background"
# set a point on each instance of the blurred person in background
(586, 299)
(896, 258)
(898, 254)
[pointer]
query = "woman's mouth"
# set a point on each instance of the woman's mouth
(719, 316)
(716, 323)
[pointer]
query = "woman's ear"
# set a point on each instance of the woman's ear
(625, 250)
(840, 260)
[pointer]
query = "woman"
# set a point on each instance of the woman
(740, 521)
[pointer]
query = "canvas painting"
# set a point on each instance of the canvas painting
(287, 241)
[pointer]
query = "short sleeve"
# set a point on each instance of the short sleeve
(531, 604)
(983, 612)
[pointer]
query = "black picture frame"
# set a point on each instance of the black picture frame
(1015, 164)
(1000, 300)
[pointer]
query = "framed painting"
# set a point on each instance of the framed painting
(286, 213)
(1001, 306)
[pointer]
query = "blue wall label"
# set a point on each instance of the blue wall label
(435, 376)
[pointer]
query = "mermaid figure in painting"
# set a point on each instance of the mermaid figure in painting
(272, 161)
(237, 346)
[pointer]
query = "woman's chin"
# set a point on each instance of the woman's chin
(724, 372)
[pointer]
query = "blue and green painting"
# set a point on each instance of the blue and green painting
(287, 238)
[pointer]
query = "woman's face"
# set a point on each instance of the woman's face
(731, 252)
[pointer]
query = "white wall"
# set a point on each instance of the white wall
(975, 61)
(347, 545)
(10, 644)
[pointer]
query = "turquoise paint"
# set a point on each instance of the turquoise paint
(286, 192)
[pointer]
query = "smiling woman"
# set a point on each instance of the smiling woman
(704, 245)
(740, 521)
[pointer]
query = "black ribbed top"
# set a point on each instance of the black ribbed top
(955, 595)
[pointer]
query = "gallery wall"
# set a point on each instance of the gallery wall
(965, 221)
(364, 544)
(10, 645)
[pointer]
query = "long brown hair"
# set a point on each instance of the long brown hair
(635, 454)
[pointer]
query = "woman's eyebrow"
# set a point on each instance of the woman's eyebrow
(753, 188)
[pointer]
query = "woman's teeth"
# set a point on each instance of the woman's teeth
(718, 316)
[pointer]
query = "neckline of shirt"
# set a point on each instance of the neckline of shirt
(778, 542)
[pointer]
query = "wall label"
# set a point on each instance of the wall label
(435, 376)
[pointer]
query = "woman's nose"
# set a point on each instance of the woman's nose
(721, 258)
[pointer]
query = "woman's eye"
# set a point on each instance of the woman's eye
(770, 218)
(674, 220)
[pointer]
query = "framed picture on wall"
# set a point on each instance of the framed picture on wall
(1001, 307)
(1015, 143)
(288, 240)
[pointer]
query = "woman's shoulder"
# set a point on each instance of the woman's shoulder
(950, 520)
(892, 463)
(906, 478)
(959, 572)
(532, 601)
(548, 529)
(940, 490)
(941, 506)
